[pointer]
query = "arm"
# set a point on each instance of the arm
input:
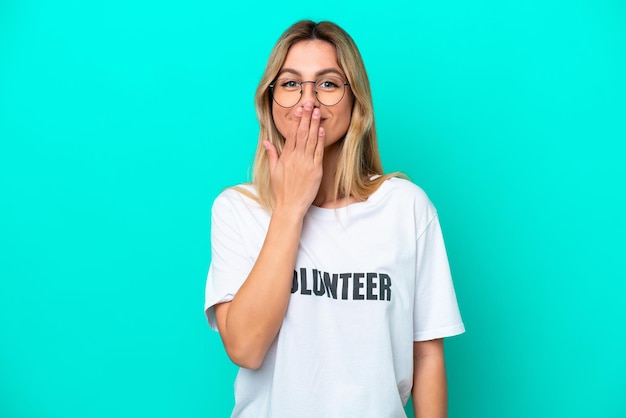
(250, 322)
(430, 393)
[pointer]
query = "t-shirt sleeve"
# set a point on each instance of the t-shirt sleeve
(435, 313)
(229, 264)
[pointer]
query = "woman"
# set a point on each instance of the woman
(329, 282)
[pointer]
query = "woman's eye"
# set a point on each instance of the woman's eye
(327, 84)
(289, 84)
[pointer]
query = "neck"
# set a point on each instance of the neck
(326, 195)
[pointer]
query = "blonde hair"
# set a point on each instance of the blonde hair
(359, 168)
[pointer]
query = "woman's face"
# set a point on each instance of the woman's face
(308, 61)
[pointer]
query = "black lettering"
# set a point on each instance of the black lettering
(344, 288)
(371, 285)
(294, 284)
(303, 284)
(318, 285)
(356, 285)
(331, 285)
(385, 286)
(365, 286)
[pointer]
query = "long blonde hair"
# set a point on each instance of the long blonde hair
(359, 168)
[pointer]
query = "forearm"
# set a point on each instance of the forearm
(430, 392)
(254, 316)
(250, 322)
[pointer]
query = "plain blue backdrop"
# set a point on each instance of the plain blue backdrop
(121, 121)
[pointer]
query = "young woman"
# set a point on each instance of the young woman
(329, 282)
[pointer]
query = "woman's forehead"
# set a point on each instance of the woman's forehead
(311, 57)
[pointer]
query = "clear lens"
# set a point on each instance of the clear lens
(329, 90)
(287, 91)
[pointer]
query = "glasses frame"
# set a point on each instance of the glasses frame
(300, 83)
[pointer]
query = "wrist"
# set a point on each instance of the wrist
(289, 213)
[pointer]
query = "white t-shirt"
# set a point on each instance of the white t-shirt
(370, 278)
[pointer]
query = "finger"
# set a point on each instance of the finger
(304, 126)
(272, 154)
(290, 139)
(318, 156)
(313, 131)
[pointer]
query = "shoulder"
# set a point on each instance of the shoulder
(403, 185)
(404, 201)
(403, 190)
(242, 195)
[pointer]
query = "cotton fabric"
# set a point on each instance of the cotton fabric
(370, 278)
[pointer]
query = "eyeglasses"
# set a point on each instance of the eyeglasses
(287, 92)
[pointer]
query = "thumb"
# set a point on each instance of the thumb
(272, 154)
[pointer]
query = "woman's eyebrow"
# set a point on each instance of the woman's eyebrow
(289, 70)
(317, 74)
(329, 71)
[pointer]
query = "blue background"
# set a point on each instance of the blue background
(121, 121)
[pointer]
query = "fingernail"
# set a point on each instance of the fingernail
(316, 113)
(298, 111)
(308, 106)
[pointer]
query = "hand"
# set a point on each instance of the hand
(296, 174)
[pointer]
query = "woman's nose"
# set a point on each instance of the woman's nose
(308, 93)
